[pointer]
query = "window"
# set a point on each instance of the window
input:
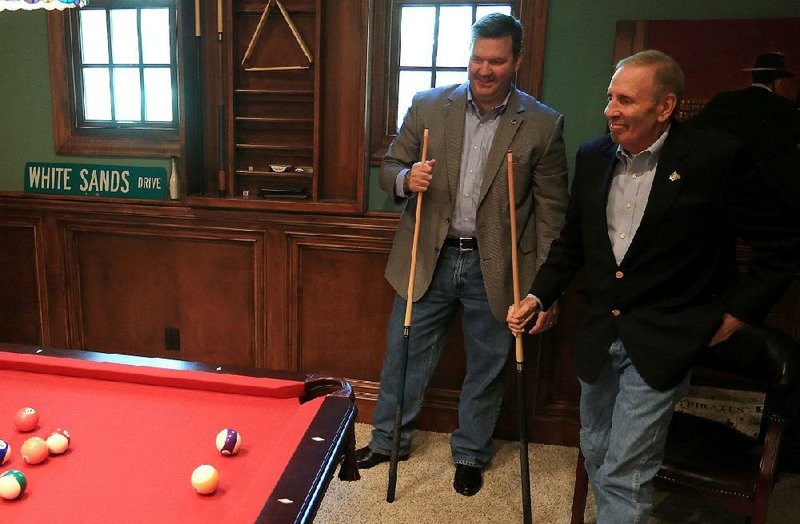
(124, 68)
(434, 46)
(117, 93)
(427, 45)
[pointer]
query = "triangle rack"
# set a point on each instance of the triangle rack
(257, 33)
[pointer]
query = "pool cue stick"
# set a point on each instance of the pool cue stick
(401, 386)
(522, 419)
(199, 152)
(222, 156)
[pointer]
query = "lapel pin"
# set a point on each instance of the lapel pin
(514, 122)
(674, 176)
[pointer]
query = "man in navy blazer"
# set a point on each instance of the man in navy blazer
(653, 217)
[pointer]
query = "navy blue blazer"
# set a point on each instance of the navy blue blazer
(665, 300)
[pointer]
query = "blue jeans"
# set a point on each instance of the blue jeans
(457, 280)
(623, 433)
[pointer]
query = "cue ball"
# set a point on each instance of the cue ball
(5, 451)
(26, 419)
(34, 450)
(58, 441)
(228, 441)
(205, 479)
(12, 484)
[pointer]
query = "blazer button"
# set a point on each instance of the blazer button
(615, 312)
(619, 274)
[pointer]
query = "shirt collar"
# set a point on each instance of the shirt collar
(762, 86)
(654, 151)
(494, 111)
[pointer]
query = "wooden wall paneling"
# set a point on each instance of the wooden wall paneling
(128, 283)
(342, 101)
(339, 310)
(280, 290)
(23, 286)
(278, 350)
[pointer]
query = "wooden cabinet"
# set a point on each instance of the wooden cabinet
(285, 86)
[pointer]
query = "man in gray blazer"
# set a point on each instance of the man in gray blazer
(464, 247)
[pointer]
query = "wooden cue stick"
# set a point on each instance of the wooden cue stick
(222, 153)
(520, 354)
(401, 386)
(198, 34)
(412, 271)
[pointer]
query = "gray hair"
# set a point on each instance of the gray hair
(668, 78)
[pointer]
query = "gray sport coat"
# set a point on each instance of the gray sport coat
(534, 133)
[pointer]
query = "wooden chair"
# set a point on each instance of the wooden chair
(711, 460)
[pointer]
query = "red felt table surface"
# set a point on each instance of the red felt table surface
(137, 435)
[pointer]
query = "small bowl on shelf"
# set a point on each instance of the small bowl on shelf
(280, 168)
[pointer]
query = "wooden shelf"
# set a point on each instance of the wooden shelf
(302, 150)
(274, 92)
(266, 120)
(272, 174)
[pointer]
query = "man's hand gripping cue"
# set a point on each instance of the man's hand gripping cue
(418, 179)
(519, 320)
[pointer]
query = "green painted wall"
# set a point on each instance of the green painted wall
(578, 57)
(26, 129)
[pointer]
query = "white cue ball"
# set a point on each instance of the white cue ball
(205, 479)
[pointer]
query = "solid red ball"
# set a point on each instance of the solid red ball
(26, 419)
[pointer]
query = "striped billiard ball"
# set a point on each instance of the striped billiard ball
(12, 484)
(228, 441)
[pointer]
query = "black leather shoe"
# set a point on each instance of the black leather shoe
(468, 480)
(367, 458)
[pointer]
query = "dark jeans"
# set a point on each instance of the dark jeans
(457, 280)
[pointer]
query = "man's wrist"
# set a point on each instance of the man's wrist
(535, 299)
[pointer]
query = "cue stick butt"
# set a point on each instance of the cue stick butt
(395, 458)
(523, 448)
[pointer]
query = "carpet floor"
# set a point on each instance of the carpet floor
(425, 494)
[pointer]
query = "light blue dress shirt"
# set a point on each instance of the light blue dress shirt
(479, 133)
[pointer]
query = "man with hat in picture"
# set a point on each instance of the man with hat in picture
(767, 122)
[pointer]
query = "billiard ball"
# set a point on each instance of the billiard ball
(205, 479)
(26, 419)
(5, 451)
(58, 441)
(228, 441)
(12, 484)
(34, 450)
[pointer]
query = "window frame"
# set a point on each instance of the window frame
(386, 57)
(73, 138)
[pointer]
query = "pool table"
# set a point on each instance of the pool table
(140, 426)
